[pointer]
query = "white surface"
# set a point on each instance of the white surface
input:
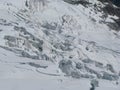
(15, 76)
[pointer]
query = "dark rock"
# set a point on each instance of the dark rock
(76, 2)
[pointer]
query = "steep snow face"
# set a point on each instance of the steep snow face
(70, 38)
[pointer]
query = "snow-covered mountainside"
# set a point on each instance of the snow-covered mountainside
(62, 44)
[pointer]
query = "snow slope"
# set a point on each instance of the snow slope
(24, 77)
(53, 45)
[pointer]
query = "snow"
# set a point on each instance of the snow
(24, 77)
(49, 83)
(72, 34)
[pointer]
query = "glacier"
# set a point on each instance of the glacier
(58, 44)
